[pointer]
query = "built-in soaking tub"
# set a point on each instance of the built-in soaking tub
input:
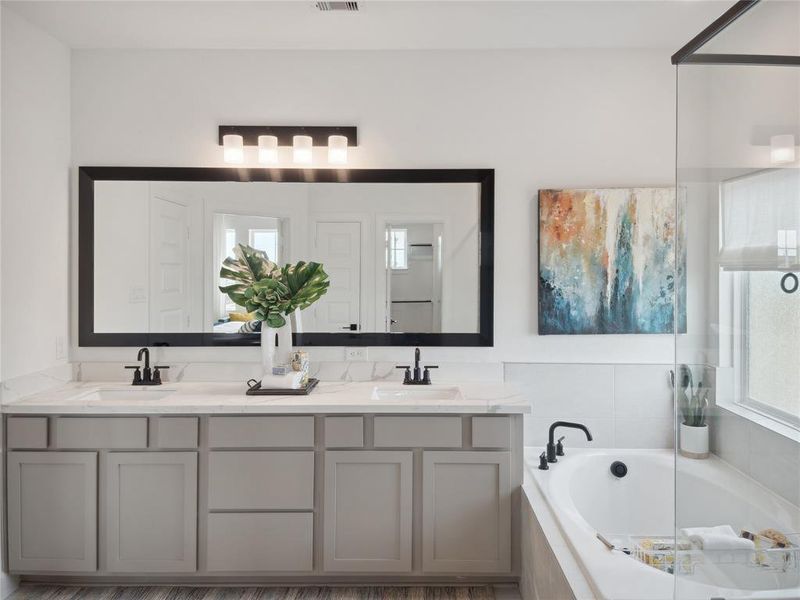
(585, 498)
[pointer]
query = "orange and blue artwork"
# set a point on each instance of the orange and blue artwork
(611, 261)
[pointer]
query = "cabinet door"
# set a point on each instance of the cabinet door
(368, 504)
(52, 511)
(151, 512)
(466, 512)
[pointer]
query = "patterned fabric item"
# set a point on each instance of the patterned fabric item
(250, 327)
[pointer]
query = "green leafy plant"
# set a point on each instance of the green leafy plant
(692, 402)
(272, 293)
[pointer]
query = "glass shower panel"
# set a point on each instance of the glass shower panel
(737, 369)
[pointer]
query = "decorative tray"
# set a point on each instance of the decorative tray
(254, 389)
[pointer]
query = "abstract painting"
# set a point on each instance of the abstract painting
(607, 262)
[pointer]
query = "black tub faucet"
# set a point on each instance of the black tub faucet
(551, 446)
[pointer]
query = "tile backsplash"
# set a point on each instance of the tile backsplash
(624, 406)
(323, 370)
(751, 443)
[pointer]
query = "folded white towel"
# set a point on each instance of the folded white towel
(290, 381)
(721, 537)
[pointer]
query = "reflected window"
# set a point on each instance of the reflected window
(230, 241)
(265, 240)
(398, 249)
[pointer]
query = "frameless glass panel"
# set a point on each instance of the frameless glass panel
(770, 27)
(737, 369)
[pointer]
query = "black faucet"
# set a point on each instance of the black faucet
(416, 379)
(146, 376)
(552, 450)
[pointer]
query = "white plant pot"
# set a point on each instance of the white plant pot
(694, 441)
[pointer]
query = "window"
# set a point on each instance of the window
(767, 364)
(230, 242)
(265, 240)
(398, 249)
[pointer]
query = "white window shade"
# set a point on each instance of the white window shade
(757, 211)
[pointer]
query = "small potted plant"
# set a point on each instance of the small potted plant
(693, 405)
(272, 294)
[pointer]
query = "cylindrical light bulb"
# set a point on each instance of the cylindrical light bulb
(301, 149)
(268, 150)
(781, 149)
(233, 149)
(337, 149)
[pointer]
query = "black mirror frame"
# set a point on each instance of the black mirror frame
(88, 175)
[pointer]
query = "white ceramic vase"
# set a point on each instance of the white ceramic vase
(276, 345)
(694, 441)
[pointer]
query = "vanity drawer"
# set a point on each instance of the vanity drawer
(417, 432)
(491, 432)
(174, 432)
(261, 432)
(26, 432)
(100, 432)
(260, 542)
(344, 432)
(261, 480)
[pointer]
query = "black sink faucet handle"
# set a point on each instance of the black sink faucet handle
(543, 466)
(157, 373)
(560, 446)
(137, 374)
(426, 374)
(407, 375)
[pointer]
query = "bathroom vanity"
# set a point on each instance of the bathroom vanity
(198, 481)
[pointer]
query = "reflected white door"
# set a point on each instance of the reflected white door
(338, 248)
(169, 266)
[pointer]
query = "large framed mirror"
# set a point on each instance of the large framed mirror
(409, 252)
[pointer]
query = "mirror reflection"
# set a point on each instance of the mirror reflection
(401, 257)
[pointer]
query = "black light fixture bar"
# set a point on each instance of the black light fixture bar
(318, 133)
(698, 41)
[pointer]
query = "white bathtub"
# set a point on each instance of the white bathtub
(586, 498)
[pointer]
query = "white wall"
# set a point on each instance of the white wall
(35, 197)
(541, 118)
(34, 200)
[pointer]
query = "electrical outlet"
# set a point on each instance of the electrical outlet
(355, 354)
(61, 348)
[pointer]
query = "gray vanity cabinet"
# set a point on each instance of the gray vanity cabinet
(368, 511)
(466, 512)
(151, 512)
(52, 511)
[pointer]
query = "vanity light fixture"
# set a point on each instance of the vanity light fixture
(233, 149)
(337, 149)
(268, 149)
(781, 149)
(301, 138)
(302, 149)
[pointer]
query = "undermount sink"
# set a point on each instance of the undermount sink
(135, 394)
(424, 392)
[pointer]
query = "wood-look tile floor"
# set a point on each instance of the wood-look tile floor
(477, 592)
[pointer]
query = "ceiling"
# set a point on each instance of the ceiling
(379, 24)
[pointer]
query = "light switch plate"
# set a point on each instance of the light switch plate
(355, 354)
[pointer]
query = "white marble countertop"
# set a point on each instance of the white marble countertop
(229, 398)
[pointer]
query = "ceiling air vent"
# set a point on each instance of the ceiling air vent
(337, 6)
